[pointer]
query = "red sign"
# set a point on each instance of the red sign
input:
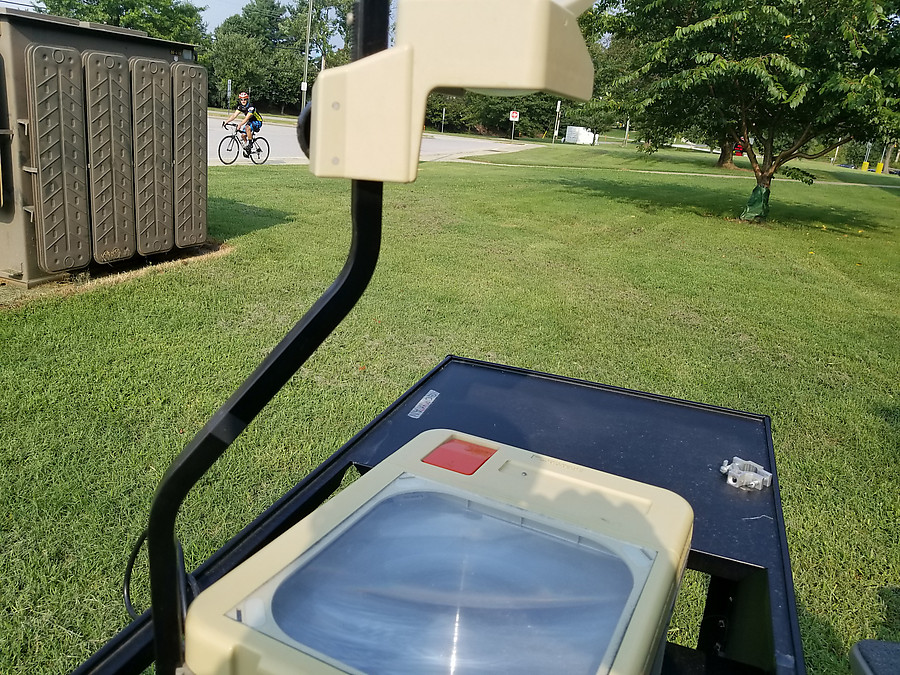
(513, 115)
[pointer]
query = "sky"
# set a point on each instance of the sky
(219, 10)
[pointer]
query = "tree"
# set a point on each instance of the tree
(259, 19)
(328, 36)
(788, 79)
(244, 51)
(490, 114)
(613, 59)
(888, 157)
(456, 115)
(166, 19)
(285, 77)
(855, 152)
(241, 59)
(274, 56)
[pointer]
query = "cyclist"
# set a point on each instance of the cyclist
(251, 123)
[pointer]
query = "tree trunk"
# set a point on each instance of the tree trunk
(726, 154)
(887, 161)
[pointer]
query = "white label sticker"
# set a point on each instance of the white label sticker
(423, 404)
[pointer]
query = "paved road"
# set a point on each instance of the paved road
(285, 149)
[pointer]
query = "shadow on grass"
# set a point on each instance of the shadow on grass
(225, 218)
(891, 415)
(840, 175)
(651, 198)
(838, 221)
(890, 629)
(230, 218)
(725, 200)
(823, 649)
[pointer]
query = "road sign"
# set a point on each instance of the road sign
(513, 115)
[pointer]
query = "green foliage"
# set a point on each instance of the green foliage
(285, 77)
(593, 24)
(241, 59)
(476, 113)
(597, 115)
(855, 153)
(612, 61)
(795, 173)
(537, 113)
(456, 118)
(166, 19)
(263, 49)
(788, 79)
(328, 29)
(259, 19)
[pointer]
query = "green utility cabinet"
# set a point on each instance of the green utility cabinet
(102, 145)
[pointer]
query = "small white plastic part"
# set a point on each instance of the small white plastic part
(745, 474)
(367, 116)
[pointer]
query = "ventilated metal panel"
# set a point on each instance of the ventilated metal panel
(56, 108)
(189, 103)
(153, 179)
(108, 90)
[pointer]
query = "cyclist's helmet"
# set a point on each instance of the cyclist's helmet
(244, 96)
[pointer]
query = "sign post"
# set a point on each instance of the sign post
(513, 117)
(229, 93)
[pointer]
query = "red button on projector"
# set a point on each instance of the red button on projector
(459, 456)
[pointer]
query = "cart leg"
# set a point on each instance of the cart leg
(737, 620)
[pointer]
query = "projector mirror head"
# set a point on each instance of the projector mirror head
(366, 117)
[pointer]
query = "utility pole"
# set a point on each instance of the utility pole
(556, 126)
(304, 86)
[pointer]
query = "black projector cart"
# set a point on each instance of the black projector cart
(750, 620)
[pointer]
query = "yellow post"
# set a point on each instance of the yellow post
(880, 167)
(865, 166)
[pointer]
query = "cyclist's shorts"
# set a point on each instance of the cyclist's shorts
(255, 125)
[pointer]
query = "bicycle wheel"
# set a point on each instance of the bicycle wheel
(259, 153)
(229, 149)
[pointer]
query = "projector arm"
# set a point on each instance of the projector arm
(166, 573)
(366, 125)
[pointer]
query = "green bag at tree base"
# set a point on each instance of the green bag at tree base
(758, 205)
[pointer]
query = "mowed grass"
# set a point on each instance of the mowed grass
(637, 280)
(614, 156)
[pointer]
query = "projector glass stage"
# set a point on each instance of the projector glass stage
(456, 555)
(431, 582)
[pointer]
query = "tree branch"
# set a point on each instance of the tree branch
(803, 155)
(791, 152)
(751, 155)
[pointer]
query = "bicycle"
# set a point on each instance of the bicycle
(231, 146)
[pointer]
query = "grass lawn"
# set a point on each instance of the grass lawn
(613, 156)
(638, 280)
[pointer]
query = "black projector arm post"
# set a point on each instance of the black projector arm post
(166, 576)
